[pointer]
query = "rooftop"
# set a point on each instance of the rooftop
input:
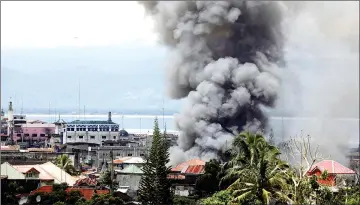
(129, 160)
(191, 162)
(131, 169)
(92, 122)
(86, 192)
(332, 167)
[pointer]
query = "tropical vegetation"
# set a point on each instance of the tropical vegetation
(155, 187)
(257, 175)
(64, 162)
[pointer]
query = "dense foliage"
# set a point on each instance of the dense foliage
(155, 187)
(256, 175)
(59, 196)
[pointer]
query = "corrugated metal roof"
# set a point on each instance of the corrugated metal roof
(131, 169)
(129, 160)
(181, 166)
(193, 169)
(332, 167)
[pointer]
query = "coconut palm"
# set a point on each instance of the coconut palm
(65, 163)
(256, 173)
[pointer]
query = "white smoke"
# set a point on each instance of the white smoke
(322, 75)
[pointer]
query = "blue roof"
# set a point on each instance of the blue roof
(92, 122)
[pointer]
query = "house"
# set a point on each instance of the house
(46, 174)
(334, 169)
(123, 162)
(129, 177)
(184, 176)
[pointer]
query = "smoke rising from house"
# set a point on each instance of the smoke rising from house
(225, 58)
(233, 59)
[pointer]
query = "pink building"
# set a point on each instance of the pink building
(34, 131)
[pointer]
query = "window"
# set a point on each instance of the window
(81, 137)
(19, 135)
(26, 135)
(72, 129)
(30, 175)
(114, 137)
(42, 135)
(129, 155)
(103, 137)
(69, 136)
(141, 155)
(34, 135)
(92, 137)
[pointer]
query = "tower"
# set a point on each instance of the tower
(2, 114)
(109, 117)
(10, 124)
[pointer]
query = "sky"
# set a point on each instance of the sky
(49, 48)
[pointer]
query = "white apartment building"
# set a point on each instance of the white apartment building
(94, 132)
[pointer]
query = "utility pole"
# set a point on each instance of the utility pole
(112, 173)
(122, 121)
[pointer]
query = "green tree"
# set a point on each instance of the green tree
(219, 198)
(155, 188)
(208, 183)
(105, 180)
(257, 174)
(146, 185)
(64, 162)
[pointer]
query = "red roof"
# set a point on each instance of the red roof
(192, 162)
(86, 181)
(332, 167)
(193, 169)
(86, 192)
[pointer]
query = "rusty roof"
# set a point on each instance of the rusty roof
(191, 162)
(193, 169)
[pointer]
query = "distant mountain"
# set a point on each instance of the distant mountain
(111, 78)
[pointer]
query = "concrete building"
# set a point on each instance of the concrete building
(94, 132)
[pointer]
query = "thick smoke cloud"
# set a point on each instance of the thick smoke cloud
(321, 79)
(225, 59)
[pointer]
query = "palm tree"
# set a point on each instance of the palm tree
(256, 173)
(65, 163)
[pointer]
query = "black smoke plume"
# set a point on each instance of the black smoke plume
(225, 60)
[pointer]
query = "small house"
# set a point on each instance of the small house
(334, 170)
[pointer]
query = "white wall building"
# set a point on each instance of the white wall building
(91, 131)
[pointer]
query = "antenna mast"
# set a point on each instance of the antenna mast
(22, 105)
(79, 102)
(163, 110)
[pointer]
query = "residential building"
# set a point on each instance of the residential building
(335, 172)
(184, 176)
(47, 173)
(94, 132)
(129, 179)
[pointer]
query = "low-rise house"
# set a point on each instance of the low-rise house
(129, 177)
(335, 171)
(184, 176)
(46, 174)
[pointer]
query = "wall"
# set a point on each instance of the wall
(27, 131)
(129, 180)
(98, 136)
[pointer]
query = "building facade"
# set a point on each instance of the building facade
(94, 132)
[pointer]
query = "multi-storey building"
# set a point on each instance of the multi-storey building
(93, 132)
